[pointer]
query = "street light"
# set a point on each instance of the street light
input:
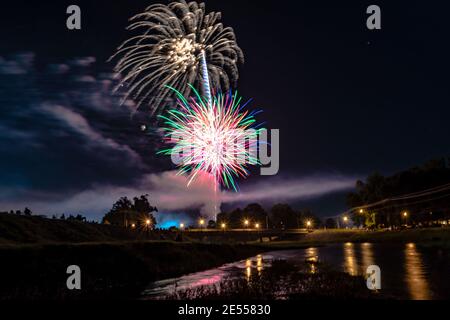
(223, 226)
(147, 226)
(308, 223)
(246, 222)
(202, 222)
(181, 225)
(345, 219)
(361, 210)
(257, 226)
(405, 215)
(133, 225)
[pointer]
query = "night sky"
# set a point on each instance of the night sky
(348, 101)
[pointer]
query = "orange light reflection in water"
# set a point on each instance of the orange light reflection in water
(415, 274)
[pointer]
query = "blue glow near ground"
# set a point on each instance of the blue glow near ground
(165, 220)
(168, 223)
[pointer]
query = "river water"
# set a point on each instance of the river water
(407, 270)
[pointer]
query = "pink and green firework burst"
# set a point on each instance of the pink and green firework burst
(218, 138)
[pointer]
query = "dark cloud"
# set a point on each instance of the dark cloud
(69, 146)
(74, 121)
(59, 68)
(170, 193)
(82, 62)
(346, 99)
(18, 64)
(62, 129)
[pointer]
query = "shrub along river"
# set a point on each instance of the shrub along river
(408, 271)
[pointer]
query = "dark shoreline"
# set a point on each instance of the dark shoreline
(118, 270)
(118, 263)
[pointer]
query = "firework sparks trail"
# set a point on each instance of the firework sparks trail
(169, 49)
(218, 138)
(205, 80)
(179, 45)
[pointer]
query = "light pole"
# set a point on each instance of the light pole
(147, 226)
(405, 215)
(361, 217)
(345, 219)
(201, 222)
(246, 227)
(257, 226)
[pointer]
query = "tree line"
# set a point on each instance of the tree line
(413, 209)
(280, 216)
(134, 213)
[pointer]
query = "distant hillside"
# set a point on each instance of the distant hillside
(34, 229)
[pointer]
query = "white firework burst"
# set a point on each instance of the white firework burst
(173, 41)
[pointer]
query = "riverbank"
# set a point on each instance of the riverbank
(426, 236)
(108, 270)
(282, 280)
(119, 263)
(20, 229)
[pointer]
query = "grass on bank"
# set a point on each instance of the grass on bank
(283, 281)
(425, 236)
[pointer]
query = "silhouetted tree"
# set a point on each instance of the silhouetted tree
(432, 174)
(308, 215)
(211, 224)
(359, 218)
(236, 219)
(222, 217)
(255, 213)
(142, 205)
(283, 216)
(78, 217)
(330, 223)
(27, 212)
(125, 213)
